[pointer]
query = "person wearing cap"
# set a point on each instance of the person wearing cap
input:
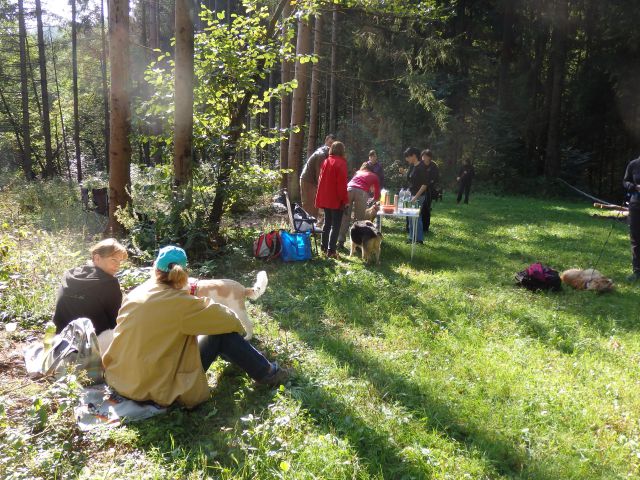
(166, 339)
(92, 291)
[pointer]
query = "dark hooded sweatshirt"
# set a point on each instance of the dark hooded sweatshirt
(88, 292)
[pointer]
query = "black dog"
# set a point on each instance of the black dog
(365, 236)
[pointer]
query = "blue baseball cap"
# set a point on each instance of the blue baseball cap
(169, 255)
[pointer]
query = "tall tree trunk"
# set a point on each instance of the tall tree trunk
(558, 61)
(119, 146)
(183, 130)
(332, 82)
(24, 92)
(14, 124)
(506, 54)
(64, 134)
(285, 109)
(299, 108)
(235, 130)
(105, 89)
(315, 87)
(534, 88)
(44, 90)
(74, 66)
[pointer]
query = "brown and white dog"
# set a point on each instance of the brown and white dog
(365, 236)
(371, 212)
(231, 294)
(589, 279)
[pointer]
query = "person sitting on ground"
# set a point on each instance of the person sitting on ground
(332, 196)
(93, 291)
(311, 173)
(156, 353)
(358, 188)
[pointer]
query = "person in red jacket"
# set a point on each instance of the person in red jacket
(332, 196)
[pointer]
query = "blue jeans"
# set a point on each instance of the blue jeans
(419, 232)
(234, 348)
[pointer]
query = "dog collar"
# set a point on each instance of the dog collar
(193, 288)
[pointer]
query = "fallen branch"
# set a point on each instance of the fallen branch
(608, 206)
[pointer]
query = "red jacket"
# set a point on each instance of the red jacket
(332, 184)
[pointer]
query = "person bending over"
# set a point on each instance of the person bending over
(156, 353)
(93, 291)
(358, 188)
(310, 174)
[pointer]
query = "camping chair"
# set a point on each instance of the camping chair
(297, 224)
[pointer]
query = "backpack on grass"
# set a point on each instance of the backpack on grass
(539, 277)
(268, 245)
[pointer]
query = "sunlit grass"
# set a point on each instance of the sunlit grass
(433, 368)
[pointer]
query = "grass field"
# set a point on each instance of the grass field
(433, 368)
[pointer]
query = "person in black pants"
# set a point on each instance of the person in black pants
(465, 176)
(433, 175)
(631, 183)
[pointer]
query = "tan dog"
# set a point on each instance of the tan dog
(589, 279)
(231, 294)
(372, 212)
(365, 236)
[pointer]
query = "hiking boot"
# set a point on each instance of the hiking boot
(334, 255)
(275, 378)
(634, 277)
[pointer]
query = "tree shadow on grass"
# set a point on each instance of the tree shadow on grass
(500, 452)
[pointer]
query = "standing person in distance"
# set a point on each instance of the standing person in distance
(631, 184)
(433, 176)
(418, 183)
(332, 196)
(311, 173)
(375, 166)
(464, 178)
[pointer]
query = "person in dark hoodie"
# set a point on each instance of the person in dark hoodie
(631, 184)
(93, 291)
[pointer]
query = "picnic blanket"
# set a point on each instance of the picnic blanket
(101, 405)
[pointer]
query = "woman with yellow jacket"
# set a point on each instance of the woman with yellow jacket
(156, 353)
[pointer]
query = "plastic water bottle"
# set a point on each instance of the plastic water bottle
(401, 200)
(49, 335)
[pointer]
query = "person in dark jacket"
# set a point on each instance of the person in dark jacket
(375, 166)
(631, 184)
(433, 176)
(464, 178)
(418, 179)
(93, 291)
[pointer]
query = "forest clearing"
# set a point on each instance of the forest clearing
(144, 142)
(436, 368)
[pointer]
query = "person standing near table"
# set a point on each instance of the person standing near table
(332, 196)
(358, 188)
(375, 166)
(631, 184)
(418, 179)
(464, 178)
(433, 175)
(311, 173)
